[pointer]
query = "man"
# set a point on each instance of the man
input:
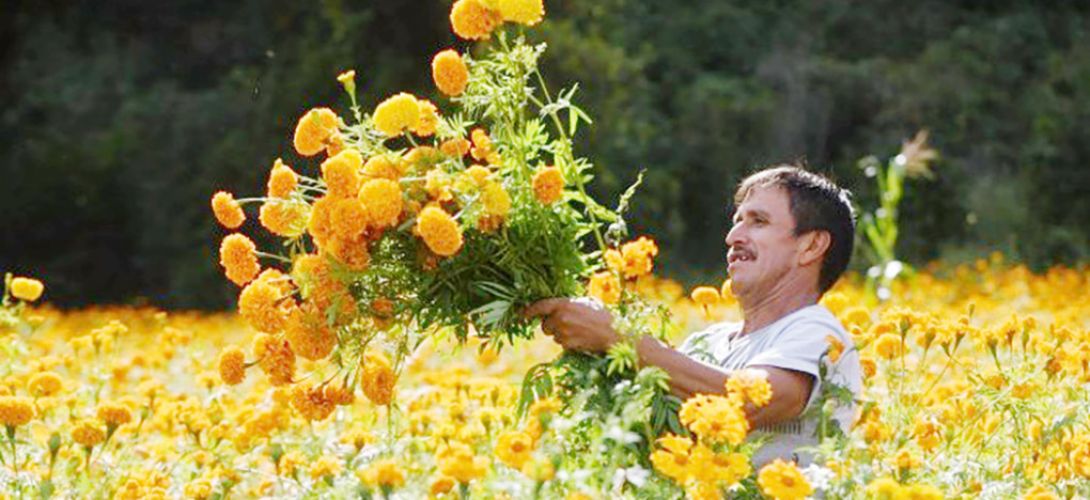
(791, 240)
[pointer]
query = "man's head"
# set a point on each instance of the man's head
(789, 225)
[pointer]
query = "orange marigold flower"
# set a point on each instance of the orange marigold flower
(232, 365)
(605, 286)
(382, 202)
(282, 180)
(429, 119)
(382, 167)
(377, 378)
(311, 402)
(228, 212)
(715, 418)
(457, 147)
(263, 306)
(341, 173)
(527, 12)
(548, 184)
(514, 448)
(315, 130)
(238, 256)
(27, 289)
(114, 414)
(349, 218)
(315, 279)
(275, 358)
(353, 252)
(482, 144)
(437, 184)
(320, 224)
(479, 174)
(88, 433)
(638, 257)
(472, 20)
(706, 297)
(439, 231)
(44, 384)
(309, 334)
(383, 473)
(284, 218)
(450, 73)
(15, 410)
(396, 114)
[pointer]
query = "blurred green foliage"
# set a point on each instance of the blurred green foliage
(122, 118)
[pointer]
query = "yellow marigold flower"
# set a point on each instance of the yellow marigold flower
(857, 316)
(44, 384)
(884, 488)
(605, 287)
(284, 218)
(320, 224)
(377, 378)
(1040, 492)
(495, 199)
(275, 358)
(868, 365)
(673, 459)
(384, 473)
(437, 184)
(836, 348)
(326, 466)
(639, 257)
(396, 114)
(753, 384)
(315, 130)
(238, 256)
(514, 448)
(382, 202)
(704, 296)
(472, 20)
(439, 231)
(263, 306)
(429, 119)
(725, 292)
(341, 173)
(199, 489)
(889, 346)
(232, 365)
(312, 402)
(449, 72)
(348, 217)
(528, 12)
(781, 480)
(15, 410)
(282, 180)
(548, 185)
(482, 144)
(715, 418)
(456, 147)
(456, 460)
(88, 433)
(382, 167)
(479, 175)
(27, 289)
(309, 334)
(114, 414)
(227, 211)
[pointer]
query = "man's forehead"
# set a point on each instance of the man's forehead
(767, 199)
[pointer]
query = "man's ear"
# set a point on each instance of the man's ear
(814, 246)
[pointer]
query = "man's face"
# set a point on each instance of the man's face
(762, 245)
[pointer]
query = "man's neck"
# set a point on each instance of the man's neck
(785, 299)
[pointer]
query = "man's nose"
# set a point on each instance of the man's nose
(735, 235)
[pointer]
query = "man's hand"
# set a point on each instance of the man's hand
(576, 324)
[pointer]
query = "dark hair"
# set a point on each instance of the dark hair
(817, 204)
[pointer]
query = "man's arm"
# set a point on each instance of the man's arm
(578, 326)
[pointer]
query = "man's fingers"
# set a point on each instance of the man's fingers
(543, 307)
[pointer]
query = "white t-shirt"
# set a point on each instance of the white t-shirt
(797, 342)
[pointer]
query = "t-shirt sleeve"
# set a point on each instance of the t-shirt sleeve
(799, 347)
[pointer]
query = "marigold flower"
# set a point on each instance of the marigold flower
(672, 460)
(263, 306)
(275, 358)
(704, 296)
(429, 119)
(348, 80)
(44, 384)
(527, 12)
(456, 460)
(114, 414)
(377, 378)
(320, 224)
(282, 180)
(381, 167)
(396, 114)
(309, 334)
(456, 147)
(315, 130)
(238, 256)
(15, 410)
(352, 252)
(348, 217)
(227, 211)
(382, 202)
(472, 20)
(341, 173)
(514, 448)
(782, 480)
(450, 73)
(437, 183)
(889, 345)
(232, 365)
(383, 473)
(548, 185)
(439, 231)
(482, 144)
(495, 199)
(88, 433)
(311, 402)
(27, 289)
(638, 257)
(715, 418)
(440, 485)
(284, 218)
(479, 175)
(836, 348)
(605, 286)
(752, 384)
